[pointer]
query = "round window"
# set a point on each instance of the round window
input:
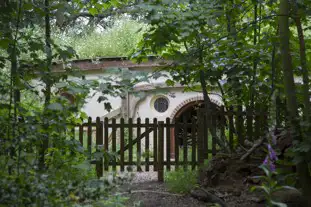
(161, 104)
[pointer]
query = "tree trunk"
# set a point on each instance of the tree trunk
(47, 81)
(290, 93)
(303, 62)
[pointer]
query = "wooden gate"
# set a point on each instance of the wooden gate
(147, 145)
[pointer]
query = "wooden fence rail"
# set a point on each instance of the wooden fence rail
(170, 143)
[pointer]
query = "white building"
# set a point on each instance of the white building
(150, 103)
(168, 102)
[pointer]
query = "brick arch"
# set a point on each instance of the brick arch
(188, 101)
(184, 105)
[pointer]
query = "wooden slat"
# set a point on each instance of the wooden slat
(147, 146)
(193, 140)
(185, 144)
(106, 144)
(177, 127)
(138, 146)
(200, 138)
(161, 152)
(99, 143)
(263, 121)
(257, 124)
(214, 125)
(222, 123)
(89, 137)
(81, 134)
(206, 121)
(146, 133)
(130, 129)
(114, 144)
(249, 123)
(231, 128)
(239, 125)
(73, 131)
(168, 145)
(155, 144)
(122, 144)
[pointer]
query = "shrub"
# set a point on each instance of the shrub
(181, 181)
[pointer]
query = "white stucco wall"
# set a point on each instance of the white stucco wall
(145, 107)
(175, 96)
(93, 108)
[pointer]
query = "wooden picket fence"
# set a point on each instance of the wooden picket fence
(149, 144)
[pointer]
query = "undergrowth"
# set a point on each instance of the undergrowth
(181, 181)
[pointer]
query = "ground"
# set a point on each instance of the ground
(144, 190)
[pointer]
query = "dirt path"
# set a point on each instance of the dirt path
(146, 191)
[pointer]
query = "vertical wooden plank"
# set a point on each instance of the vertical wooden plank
(122, 145)
(114, 144)
(257, 122)
(222, 123)
(193, 142)
(185, 144)
(161, 152)
(147, 151)
(200, 137)
(155, 144)
(168, 144)
(249, 123)
(89, 137)
(207, 125)
(231, 127)
(239, 125)
(99, 143)
(263, 121)
(106, 144)
(130, 144)
(73, 131)
(138, 163)
(214, 116)
(81, 134)
(177, 137)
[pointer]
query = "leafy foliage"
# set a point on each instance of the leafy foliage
(181, 181)
(117, 40)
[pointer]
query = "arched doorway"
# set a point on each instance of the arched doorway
(185, 114)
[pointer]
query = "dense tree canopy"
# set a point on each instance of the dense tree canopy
(255, 52)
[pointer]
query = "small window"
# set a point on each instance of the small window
(161, 104)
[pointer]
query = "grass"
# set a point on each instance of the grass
(118, 40)
(181, 181)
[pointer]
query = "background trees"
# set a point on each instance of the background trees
(249, 50)
(254, 52)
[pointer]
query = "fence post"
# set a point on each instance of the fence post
(239, 125)
(155, 144)
(161, 152)
(231, 128)
(200, 138)
(106, 147)
(122, 144)
(89, 138)
(99, 146)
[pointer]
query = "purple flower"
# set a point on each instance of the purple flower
(270, 159)
(272, 154)
(265, 162)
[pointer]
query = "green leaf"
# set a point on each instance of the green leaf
(170, 82)
(278, 204)
(4, 43)
(290, 188)
(27, 7)
(85, 165)
(55, 107)
(93, 11)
